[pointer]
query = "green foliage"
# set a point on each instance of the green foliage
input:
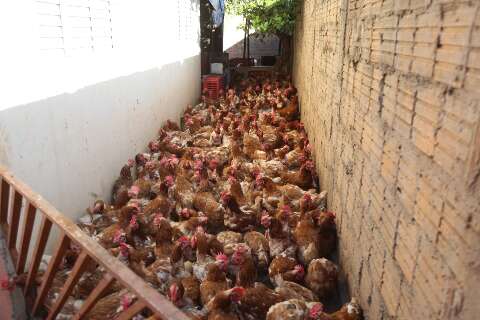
(266, 16)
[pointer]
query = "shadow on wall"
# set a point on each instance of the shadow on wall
(70, 148)
(259, 46)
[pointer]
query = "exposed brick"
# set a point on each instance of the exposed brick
(407, 245)
(405, 309)
(400, 106)
(450, 144)
(422, 67)
(427, 217)
(425, 144)
(449, 74)
(445, 160)
(459, 16)
(391, 286)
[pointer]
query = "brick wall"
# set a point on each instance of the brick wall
(390, 97)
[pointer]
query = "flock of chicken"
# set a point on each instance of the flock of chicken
(223, 214)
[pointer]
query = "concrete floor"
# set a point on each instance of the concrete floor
(12, 304)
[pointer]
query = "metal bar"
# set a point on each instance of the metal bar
(77, 271)
(26, 236)
(132, 310)
(94, 296)
(14, 219)
(38, 252)
(4, 201)
(51, 271)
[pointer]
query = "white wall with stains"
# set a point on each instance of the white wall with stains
(68, 121)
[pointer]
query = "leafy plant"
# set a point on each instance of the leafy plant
(267, 17)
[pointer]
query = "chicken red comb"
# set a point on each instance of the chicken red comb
(158, 218)
(140, 158)
(309, 165)
(188, 121)
(232, 170)
(193, 241)
(7, 284)
(315, 310)
(259, 179)
(126, 301)
(303, 157)
(133, 222)
(185, 213)
(154, 146)
(237, 293)
(265, 220)
(150, 165)
(198, 164)
(172, 162)
(130, 162)
(232, 179)
(124, 249)
(173, 292)
(187, 165)
(173, 159)
(286, 209)
(307, 197)
(221, 257)
(133, 191)
(184, 240)
(169, 181)
(307, 152)
(213, 163)
(299, 270)
(197, 175)
(98, 206)
(135, 205)
(164, 161)
(331, 214)
(119, 236)
(241, 248)
(225, 196)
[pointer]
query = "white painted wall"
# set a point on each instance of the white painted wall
(232, 33)
(68, 123)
